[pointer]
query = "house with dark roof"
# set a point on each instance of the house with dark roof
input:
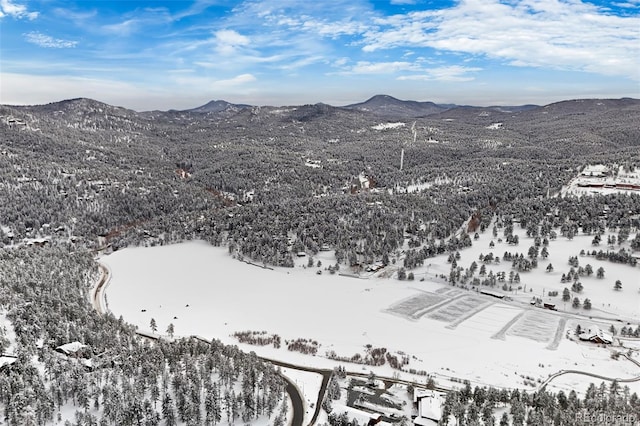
(596, 335)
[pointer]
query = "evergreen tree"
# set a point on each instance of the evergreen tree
(588, 269)
(504, 420)
(577, 287)
(333, 388)
(487, 415)
(518, 412)
(168, 411)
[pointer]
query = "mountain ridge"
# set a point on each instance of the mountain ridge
(378, 105)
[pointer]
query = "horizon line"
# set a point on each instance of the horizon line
(451, 105)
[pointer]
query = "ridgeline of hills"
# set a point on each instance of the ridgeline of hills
(380, 105)
(386, 106)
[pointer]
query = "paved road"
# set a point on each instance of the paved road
(325, 373)
(597, 376)
(97, 295)
(296, 403)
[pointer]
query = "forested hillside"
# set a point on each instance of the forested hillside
(86, 169)
(79, 176)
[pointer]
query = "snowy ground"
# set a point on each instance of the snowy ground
(387, 126)
(447, 331)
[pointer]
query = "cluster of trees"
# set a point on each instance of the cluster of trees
(333, 391)
(629, 331)
(397, 362)
(260, 338)
(372, 356)
(472, 406)
(121, 378)
(305, 346)
(621, 256)
(574, 274)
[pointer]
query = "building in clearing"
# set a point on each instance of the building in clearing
(429, 405)
(360, 183)
(596, 335)
(597, 170)
(71, 349)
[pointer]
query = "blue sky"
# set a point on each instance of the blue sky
(180, 54)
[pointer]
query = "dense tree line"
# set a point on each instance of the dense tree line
(92, 169)
(119, 378)
(475, 406)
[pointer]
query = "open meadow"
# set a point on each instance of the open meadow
(449, 332)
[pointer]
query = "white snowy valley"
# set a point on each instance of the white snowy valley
(450, 333)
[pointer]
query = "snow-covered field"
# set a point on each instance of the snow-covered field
(446, 331)
(387, 126)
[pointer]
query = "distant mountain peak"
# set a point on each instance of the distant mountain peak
(217, 106)
(82, 102)
(83, 106)
(388, 106)
(382, 97)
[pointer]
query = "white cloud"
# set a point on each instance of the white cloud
(228, 41)
(195, 83)
(44, 40)
(419, 70)
(137, 21)
(302, 62)
(235, 81)
(18, 11)
(627, 4)
(332, 29)
(123, 28)
(78, 18)
(556, 34)
(363, 67)
(447, 73)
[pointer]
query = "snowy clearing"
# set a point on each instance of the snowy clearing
(387, 126)
(204, 291)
